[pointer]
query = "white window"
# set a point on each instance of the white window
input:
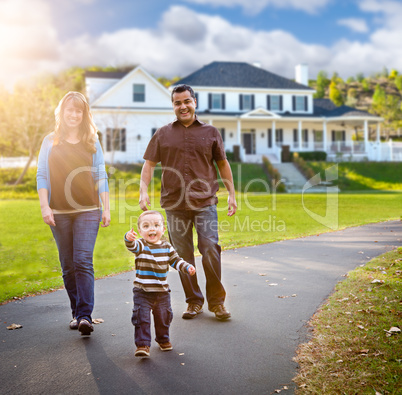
(300, 103)
(216, 101)
(139, 92)
(115, 140)
(247, 102)
(275, 103)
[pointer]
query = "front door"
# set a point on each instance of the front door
(249, 142)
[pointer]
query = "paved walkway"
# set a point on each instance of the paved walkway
(250, 354)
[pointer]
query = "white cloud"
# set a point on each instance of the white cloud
(28, 39)
(355, 24)
(255, 6)
(169, 51)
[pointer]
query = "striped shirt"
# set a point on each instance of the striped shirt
(152, 264)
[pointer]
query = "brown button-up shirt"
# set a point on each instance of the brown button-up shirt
(187, 155)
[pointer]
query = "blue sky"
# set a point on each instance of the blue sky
(177, 37)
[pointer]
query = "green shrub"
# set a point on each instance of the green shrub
(316, 156)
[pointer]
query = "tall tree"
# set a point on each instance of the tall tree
(29, 117)
(322, 84)
(335, 94)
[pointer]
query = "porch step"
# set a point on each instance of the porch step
(295, 181)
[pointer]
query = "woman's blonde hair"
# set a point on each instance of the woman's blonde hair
(88, 128)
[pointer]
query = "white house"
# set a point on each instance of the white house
(259, 111)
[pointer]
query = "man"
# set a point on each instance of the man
(187, 149)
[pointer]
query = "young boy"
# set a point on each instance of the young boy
(151, 290)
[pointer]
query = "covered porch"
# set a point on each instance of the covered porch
(259, 133)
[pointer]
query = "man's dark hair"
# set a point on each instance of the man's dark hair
(182, 88)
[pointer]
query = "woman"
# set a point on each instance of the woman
(71, 178)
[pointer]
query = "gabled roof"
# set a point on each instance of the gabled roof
(106, 74)
(239, 75)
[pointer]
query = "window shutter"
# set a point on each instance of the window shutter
(305, 136)
(269, 103)
(223, 134)
(123, 140)
(269, 138)
(280, 103)
(223, 101)
(252, 102)
(108, 140)
(295, 136)
(294, 103)
(241, 101)
(196, 101)
(333, 135)
(305, 103)
(281, 135)
(153, 131)
(343, 135)
(209, 100)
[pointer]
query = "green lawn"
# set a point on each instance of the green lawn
(352, 342)
(28, 254)
(364, 176)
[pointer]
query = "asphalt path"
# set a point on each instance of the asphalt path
(250, 354)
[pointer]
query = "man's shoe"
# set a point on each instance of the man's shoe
(74, 323)
(220, 312)
(166, 346)
(142, 351)
(85, 327)
(192, 311)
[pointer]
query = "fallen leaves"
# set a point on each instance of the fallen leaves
(394, 330)
(98, 321)
(376, 281)
(14, 326)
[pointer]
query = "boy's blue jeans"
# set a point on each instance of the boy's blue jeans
(205, 221)
(75, 236)
(159, 303)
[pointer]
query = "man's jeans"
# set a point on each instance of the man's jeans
(75, 236)
(159, 303)
(205, 221)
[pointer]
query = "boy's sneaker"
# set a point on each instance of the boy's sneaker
(166, 346)
(85, 327)
(220, 312)
(192, 311)
(74, 323)
(142, 351)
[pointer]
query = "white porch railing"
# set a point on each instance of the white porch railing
(15, 162)
(353, 150)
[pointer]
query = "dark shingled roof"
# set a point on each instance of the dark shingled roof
(238, 75)
(346, 111)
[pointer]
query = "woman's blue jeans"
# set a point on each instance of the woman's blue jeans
(75, 236)
(159, 303)
(205, 221)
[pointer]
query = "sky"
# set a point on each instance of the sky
(176, 37)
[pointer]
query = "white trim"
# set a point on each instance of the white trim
(123, 80)
(267, 91)
(260, 112)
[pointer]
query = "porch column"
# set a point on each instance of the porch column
(299, 132)
(365, 136)
(273, 133)
(324, 135)
(378, 132)
(238, 142)
(211, 122)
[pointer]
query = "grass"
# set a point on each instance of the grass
(352, 350)
(29, 259)
(364, 176)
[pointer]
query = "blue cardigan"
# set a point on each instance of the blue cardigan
(43, 176)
